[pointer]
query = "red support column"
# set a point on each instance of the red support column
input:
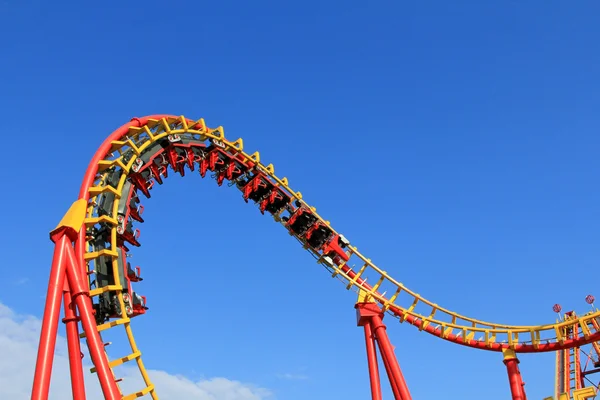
(515, 379)
(84, 305)
(393, 383)
(66, 265)
(372, 360)
(370, 314)
(387, 353)
(74, 345)
(45, 356)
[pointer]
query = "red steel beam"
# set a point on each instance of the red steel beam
(370, 314)
(515, 379)
(82, 299)
(74, 346)
(387, 353)
(45, 355)
(372, 360)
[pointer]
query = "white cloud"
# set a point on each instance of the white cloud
(19, 336)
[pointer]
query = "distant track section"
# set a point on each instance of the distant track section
(141, 154)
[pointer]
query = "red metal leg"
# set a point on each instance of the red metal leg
(45, 356)
(80, 249)
(370, 314)
(387, 352)
(372, 360)
(84, 305)
(515, 379)
(393, 383)
(74, 345)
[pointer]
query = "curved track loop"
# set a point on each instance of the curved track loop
(139, 154)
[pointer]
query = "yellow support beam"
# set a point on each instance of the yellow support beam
(584, 393)
(108, 325)
(72, 221)
(509, 354)
(96, 254)
(141, 393)
(105, 289)
(364, 297)
(99, 220)
(96, 190)
(116, 145)
(120, 361)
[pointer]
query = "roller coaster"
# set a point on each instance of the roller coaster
(94, 279)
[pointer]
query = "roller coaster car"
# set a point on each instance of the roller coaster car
(142, 181)
(274, 201)
(217, 158)
(176, 157)
(142, 173)
(256, 188)
(135, 210)
(230, 169)
(128, 206)
(152, 162)
(223, 164)
(134, 275)
(107, 199)
(139, 305)
(198, 154)
(125, 231)
(158, 168)
(317, 235)
(334, 250)
(134, 303)
(300, 221)
(185, 152)
(103, 271)
(212, 160)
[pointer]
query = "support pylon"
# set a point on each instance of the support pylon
(75, 355)
(370, 316)
(517, 386)
(67, 283)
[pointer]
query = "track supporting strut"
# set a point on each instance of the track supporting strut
(67, 284)
(370, 317)
(517, 386)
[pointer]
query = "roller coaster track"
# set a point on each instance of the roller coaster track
(138, 155)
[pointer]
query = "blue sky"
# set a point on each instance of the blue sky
(454, 143)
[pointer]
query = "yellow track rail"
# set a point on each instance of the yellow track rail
(394, 297)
